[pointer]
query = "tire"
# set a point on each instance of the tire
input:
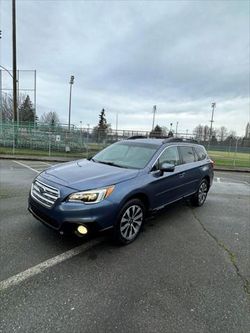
(200, 196)
(129, 222)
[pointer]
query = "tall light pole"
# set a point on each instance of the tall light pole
(14, 60)
(176, 129)
(154, 111)
(71, 82)
(212, 120)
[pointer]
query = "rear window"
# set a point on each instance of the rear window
(187, 154)
(201, 153)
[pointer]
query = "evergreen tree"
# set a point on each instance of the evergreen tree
(101, 130)
(26, 111)
(102, 125)
(156, 132)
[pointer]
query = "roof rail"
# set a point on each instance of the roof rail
(172, 139)
(134, 137)
(158, 136)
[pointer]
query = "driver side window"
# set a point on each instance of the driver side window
(170, 155)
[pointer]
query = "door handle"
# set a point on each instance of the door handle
(182, 174)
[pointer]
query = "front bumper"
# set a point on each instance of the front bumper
(64, 215)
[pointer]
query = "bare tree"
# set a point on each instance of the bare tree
(222, 133)
(206, 133)
(50, 118)
(7, 106)
(198, 132)
(232, 134)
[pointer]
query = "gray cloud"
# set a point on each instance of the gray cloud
(128, 56)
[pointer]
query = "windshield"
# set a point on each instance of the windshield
(129, 154)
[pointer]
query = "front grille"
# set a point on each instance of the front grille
(45, 194)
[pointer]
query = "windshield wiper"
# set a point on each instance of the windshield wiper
(111, 163)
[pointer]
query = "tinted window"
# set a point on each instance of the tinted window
(201, 153)
(170, 155)
(187, 154)
(129, 155)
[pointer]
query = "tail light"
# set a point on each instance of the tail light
(213, 163)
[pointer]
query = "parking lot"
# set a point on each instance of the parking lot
(189, 270)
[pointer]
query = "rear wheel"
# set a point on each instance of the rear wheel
(200, 196)
(129, 222)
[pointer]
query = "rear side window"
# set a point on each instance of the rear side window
(201, 153)
(187, 154)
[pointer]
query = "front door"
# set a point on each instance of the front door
(165, 188)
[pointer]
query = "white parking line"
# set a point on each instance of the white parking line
(37, 164)
(26, 166)
(44, 163)
(20, 277)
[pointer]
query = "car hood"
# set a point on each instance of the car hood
(84, 174)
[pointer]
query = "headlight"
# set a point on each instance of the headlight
(92, 196)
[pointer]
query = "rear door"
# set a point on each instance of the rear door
(190, 170)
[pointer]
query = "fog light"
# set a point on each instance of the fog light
(82, 230)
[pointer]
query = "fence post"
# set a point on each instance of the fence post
(14, 130)
(49, 142)
(88, 142)
(235, 151)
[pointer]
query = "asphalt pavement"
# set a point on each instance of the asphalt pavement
(189, 270)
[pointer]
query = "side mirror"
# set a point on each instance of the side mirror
(167, 167)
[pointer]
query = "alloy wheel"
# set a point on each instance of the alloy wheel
(202, 194)
(131, 222)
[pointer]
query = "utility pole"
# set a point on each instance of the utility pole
(1, 95)
(176, 129)
(14, 60)
(1, 103)
(116, 122)
(212, 120)
(154, 111)
(71, 82)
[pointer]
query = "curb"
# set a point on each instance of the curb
(68, 159)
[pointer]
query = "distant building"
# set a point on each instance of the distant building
(247, 134)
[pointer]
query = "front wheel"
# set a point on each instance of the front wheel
(129, 222)
(200, 196)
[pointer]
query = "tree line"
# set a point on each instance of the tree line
(26, 111)
(26, 114)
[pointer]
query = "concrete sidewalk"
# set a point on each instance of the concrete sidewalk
(68, 159)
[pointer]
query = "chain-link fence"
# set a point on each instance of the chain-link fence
(58, 140)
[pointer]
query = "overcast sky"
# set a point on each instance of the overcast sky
(127, 56)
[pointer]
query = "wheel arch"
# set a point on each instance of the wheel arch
(207, 178)
(141, 196)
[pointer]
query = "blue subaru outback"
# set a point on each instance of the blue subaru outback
(121, 185)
